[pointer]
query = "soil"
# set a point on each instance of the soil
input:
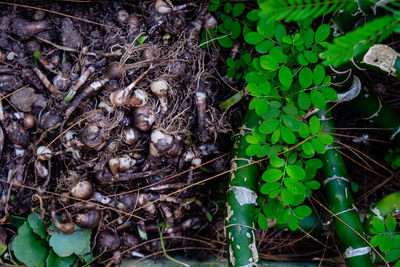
(142, 171)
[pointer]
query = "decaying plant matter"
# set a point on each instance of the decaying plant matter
(96, 114)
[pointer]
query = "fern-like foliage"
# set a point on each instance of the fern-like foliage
(295, 10)
(357, 42)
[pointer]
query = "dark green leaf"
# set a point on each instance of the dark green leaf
(275, 136)
(37, 225)
(308, 38)
(302, 60)
(317, 99)
(290, 109)
(318, 74)
(322, 33)
(253, 38)
(261, 106)
(225, 42)
(293, 223)
(376, 240)
(272, 175)
(228, 8)
(275, 104)
(269, 126)
(266, 28)
(378, 225)
(296, 172)
(54, 261)
(314, 163)
(253, 15)
(236, 29)
(303, 101)
(305, 77)
(287, 135)
(292, 122)
(311, 56)
(28, 247)
(238, 9)
(304, 130)
(265, 88)
(277, 54)
(393, 255)
(263, 151)
(387, 244)
(285, 76)
(280, 31)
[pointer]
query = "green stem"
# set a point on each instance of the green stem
(381, 209)
(241, 199)
(338, 194)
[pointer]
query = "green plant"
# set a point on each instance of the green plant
(34, 246)
(393, 157)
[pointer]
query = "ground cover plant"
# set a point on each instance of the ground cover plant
(118, 124)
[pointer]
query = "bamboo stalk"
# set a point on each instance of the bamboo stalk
(241, 199)
(341, 203)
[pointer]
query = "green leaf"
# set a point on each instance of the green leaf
(290, 109)
(314, 163)
(263, 151)
(314, 185)
(307, 148)
(308, 37)
(304, 130)
(318, 74)
(269, 63)
(311, 56)
(305, 77)
(287, 135)
(378, 225)
(285, 76)
(329, 93)
(277, 54)
(296, 172)
(302, 60)
(303, 101)
(390, 222)
(393, 255)
(275, 136)
(251, 139)
(264, 46)
(293, 223)
(37, 225)
(280, 31)
(269, 126)
(261, 106)
(262, 222)
(322, 33)
(317, 99)
(253, 15)
(268, 188)
(292, 122)
(54, 261)
(276, 161)
(252, 150)
(28, 247)
(315, 125)
(225, 42)
(272, 175)
(236, 30)
(325, 139)
(228, 8)
(318, 146)
(376, 240)
(266, 28)
(387, 244)
(65, 245)
(238, 9)
(253, 38)
(302, 211)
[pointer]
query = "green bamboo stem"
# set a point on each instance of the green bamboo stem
(373, 109)
(338, 193)
(241, 200)
(381, 209)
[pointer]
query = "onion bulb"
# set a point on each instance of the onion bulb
(108, 240)
(160, 89)
(130, 135)
(144, 117)
(89, 219)
(43, 153)
(29, 120)
(82, 190)
(162, 7)
(160, 143)
(139, 98)
(41, 170)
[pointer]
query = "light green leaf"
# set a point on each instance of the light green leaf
(311, 56)
(318, 146)
(390, 222)
(393, 255)
(378, 225)
(317, 99)
(262, 222)
(307, 148)
(285, 76)
(304, 130)
(287, 135)
(329, 93)
(276, 161)
(296, 172)
(322, 33)
(66, 245)
(28, 247)
(268, 188)
(272, 175)
(314, 185)
(302, 60)
(302, 211)
(252, 150)
(295, 187)
(269, 63)
(251, 139)
(376, 240)
(37, 225)
(275, 136)
(261, 106)
(264, 46)
(293, 223)
(305, 77)
(315, 125)
(325, 139)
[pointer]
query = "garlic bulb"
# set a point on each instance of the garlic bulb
(126, 162)
(144, 118)
(139, 98)
(82, 190)
(160, 143)
(43, 153)
(160, 89)
(162, 7)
